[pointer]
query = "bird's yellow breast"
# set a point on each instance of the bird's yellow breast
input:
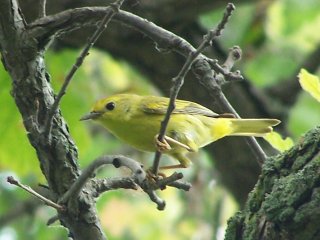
(140, 130)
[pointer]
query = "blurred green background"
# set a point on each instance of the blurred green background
(290, 33)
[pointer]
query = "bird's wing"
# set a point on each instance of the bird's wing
(158, 105)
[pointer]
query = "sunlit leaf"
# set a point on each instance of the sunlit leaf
(292, 23)
(310, 83)
(278, 142)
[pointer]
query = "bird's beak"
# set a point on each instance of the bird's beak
(91, 115)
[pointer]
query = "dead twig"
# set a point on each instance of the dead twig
(47, 201)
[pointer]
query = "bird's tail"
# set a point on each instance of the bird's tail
(242, 127)
(252, 127)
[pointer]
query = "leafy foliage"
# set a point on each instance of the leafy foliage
(310, 83)
(278, 142)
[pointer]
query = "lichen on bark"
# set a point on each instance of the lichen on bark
(285, 201)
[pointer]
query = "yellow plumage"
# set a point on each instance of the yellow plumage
(136, 120)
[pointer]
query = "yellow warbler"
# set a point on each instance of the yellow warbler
(136, 120)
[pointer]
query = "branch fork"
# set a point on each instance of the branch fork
(137, 179)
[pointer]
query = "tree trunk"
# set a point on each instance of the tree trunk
(22, 57)
(284, 204)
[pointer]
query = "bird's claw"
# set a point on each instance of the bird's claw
(153, 177)
(163, 145)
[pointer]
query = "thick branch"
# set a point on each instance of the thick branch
(71, 20)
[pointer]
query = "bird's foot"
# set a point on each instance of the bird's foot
(163, 145)
(153, 177)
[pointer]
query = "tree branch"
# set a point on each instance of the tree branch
(107, 184)
(179, 79)
(114, 9)
(138, 178)
(42, 8)
(116, 161)
(45, 200)
(213, 82)
(52, 25)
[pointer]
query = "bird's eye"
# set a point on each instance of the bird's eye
(110, 106)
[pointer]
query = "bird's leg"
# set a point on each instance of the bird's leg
(165, 146)
(152, 177)
(184, 162)
(173, 166)
(173, 141)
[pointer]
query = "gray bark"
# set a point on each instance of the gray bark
(22, 57)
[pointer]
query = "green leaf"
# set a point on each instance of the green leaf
(278, 142)
(16, 153)
(310, 83)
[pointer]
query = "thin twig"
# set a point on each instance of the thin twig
(42, 8)
(224, 73)
(179, 79)
(181, 185)
(165, 181)
(107, 184)
(115, 160)
(258, 152)
(52, 220)
(202, 69)
(161, 204)
(233, 56)
(13, 181)
(102, 26)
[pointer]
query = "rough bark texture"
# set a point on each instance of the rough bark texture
(284, 204)
(23, 59)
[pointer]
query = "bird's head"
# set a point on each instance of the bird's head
(111, 108)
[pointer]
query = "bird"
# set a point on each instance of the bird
(136, 120)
